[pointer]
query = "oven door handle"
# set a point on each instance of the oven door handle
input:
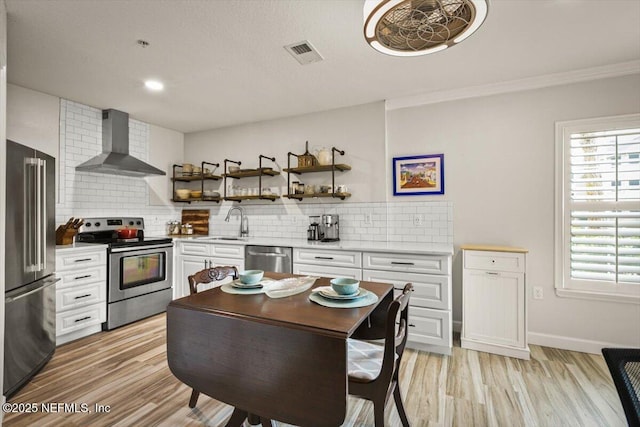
(139, 248)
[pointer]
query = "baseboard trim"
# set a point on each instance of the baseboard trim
(503, 350)
(572, 344)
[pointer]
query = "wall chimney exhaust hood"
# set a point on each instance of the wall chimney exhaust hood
(115, 158)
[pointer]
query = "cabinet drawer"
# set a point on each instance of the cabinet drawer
(73, 320)
(411, 263)
(328, 257)
(228, 251)
(494, 261)
(188, 248)
(82, 276)
(429, 326)
(324, 271)
(80, 259)
(429, 290)
(80, 296)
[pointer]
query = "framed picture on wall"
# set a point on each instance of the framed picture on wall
(418, 175)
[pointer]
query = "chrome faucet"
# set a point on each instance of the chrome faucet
(244, 221)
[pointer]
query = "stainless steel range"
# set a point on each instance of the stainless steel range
(139, 269)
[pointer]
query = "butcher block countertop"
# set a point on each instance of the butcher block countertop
(494, 248)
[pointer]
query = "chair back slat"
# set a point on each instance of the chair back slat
(209, 275)
(396, 334)
(402, 332)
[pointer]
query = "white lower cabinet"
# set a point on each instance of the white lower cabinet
(81, 302)
(430, 319)
(494, 301)
(327, 271)
(193, 257)
(327, 263)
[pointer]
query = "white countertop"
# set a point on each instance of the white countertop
(403, 247)
(80, 246)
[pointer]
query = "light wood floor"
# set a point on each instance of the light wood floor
(126, 369)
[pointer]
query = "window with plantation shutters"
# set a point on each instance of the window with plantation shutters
(598, 207)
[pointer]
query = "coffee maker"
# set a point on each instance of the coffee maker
(313, 232)
(330, 228)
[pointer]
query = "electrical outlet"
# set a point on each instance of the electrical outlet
(537, 292)
(418, 220)
(367, 218)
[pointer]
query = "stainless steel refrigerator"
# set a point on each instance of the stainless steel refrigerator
(30, 296)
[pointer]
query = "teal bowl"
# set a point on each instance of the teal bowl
(250, 277)
(345, 286)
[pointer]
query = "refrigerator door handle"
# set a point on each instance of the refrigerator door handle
(31, 248)
(38, 182)
(42, 239)
(14, 296)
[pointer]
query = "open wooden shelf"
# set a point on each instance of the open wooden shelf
(340, 196)
(198, 199)
(190, 178)
(319, 168)
(247, 173)
(271, 197)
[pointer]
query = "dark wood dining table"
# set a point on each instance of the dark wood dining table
(279, 359)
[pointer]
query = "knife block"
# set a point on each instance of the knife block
(65, 236)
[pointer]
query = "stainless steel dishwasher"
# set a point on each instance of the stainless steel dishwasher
(268, 258)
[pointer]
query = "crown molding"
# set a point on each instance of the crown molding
(538, 82)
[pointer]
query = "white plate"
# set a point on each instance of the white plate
(331, 294)
(238, 284)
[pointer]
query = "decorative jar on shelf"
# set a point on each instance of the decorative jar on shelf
(324, 156)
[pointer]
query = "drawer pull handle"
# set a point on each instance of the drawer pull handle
(82, 260)
(82, 318)
(410, 324)
(402, 263)
(82, 296)
(402, 289)
(491, 273)
(324, 257)
(82, 277)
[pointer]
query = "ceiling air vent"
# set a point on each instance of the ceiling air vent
(304, 52)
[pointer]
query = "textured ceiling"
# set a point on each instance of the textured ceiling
(223, 62)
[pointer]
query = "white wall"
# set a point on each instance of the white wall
(167, 149)
(34, 119)
(3, 167)
(499, 174)
(359, 131)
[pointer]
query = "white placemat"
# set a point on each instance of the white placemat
(230, 289)
(368, 299)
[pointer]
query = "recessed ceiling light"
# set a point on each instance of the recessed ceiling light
(154, 85)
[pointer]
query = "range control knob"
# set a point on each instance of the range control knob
(138, 222)
(87, 224)
(97, 224)
(130, 222)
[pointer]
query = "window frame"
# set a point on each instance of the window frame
(564, 285)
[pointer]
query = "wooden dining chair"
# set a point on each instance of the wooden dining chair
(207, 275)
(373, 368)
